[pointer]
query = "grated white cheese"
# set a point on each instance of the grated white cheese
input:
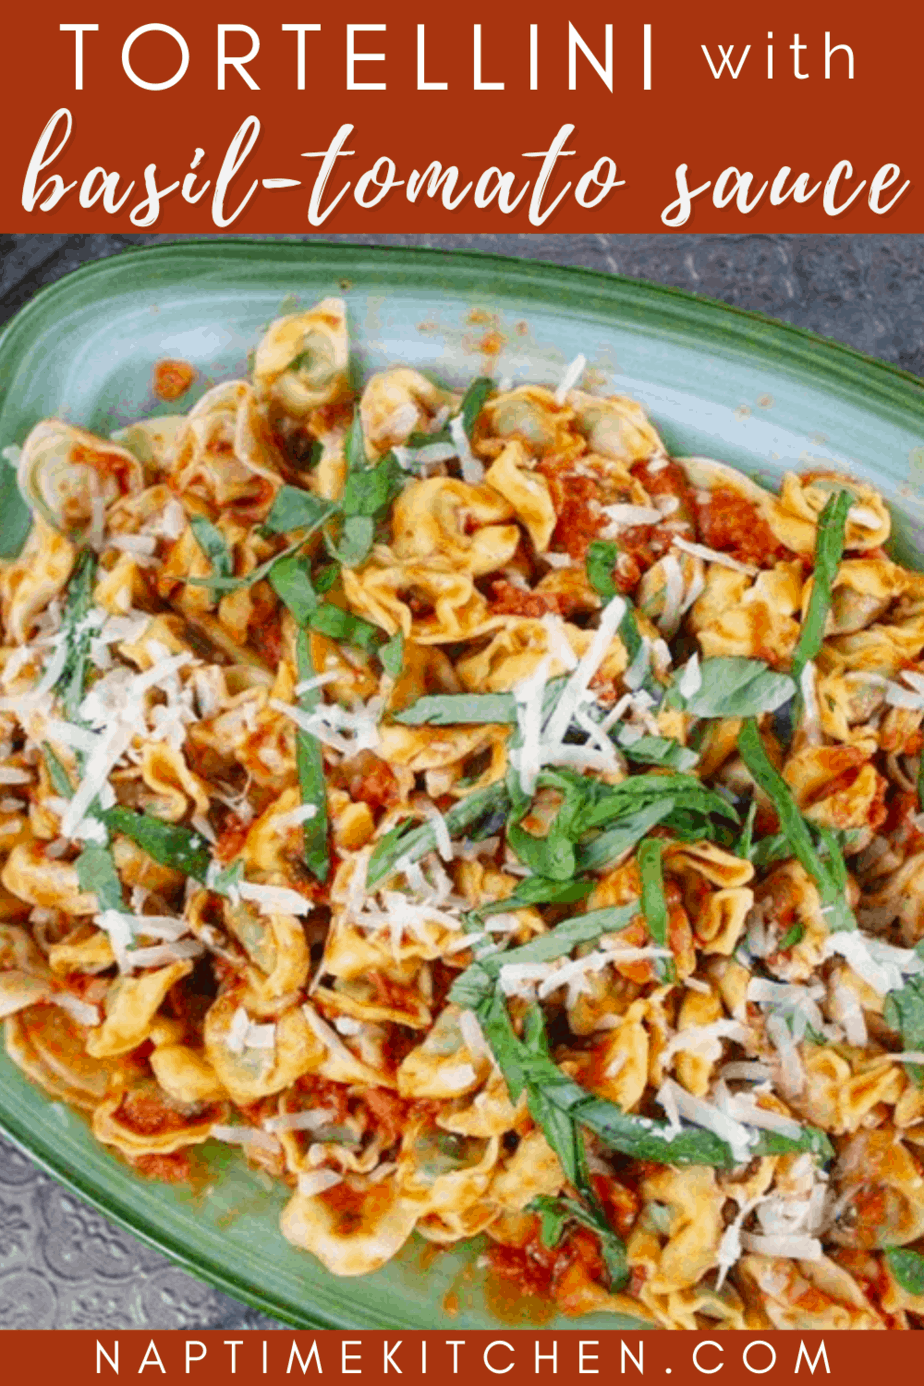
(673, 595)
(795, 1246)
(440, 829)
(705, 1040)
(164, 953)
(270, 899)
(714, 556)
(11, 774)
(864, 516)
(691, 678)
(847, 1010)
(706, 1114)
(472, 1036)
(246, 1136)
(570, 378)
(299, 1121)
(317, 1181)
(472, 469)
(883, 966)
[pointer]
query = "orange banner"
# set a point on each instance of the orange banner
(471, 118)
(206, 1358)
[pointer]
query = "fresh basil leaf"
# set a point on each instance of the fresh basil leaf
(556, 1213)
(791, 937)
(214, 545)
(830, 876)
(537, 890)
(15, 515)
(326, 578)
(903, 1011)
(776, 847)
(594, 803)
(654, 901)
(170, 844)
(601, 560)
(473, 985)
(225, 880)
(295, 509)
(829, 550)
(71, 686)
(309, 761)
(391, 655)
(659, 750)
(599, 851)
(733, 686)
(551, 856)
(352, 546)
(458, 709)
(473, 401)
(554, 1216)
(524, 1065)
(96, 873)
(355, 445)
(290, 579)
(409, 841)
(368, 491)
(560, 1130)
(809, 1141)
(745, 842)
(338, 624)
(908, 1268)
(59, 777)
(234, 583)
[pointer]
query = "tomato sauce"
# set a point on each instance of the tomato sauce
(172, 379)
(727, 521)
(577, 500)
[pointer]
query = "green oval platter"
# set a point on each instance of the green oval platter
(717, 381)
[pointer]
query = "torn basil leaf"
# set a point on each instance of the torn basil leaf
(338, 624)
(659, 750)
(600, 851)
(78, 632)
(15, 515)
(828, 874)
(295, 509)
(556, 1213)
(473, 985)
(829, 550)
(391, 654)
(214, 545)
(290, 579)
(352, 546)
(473, 401)
(409, 841)
(170, 844)
(537, 890)
(601, 560)
(732, 686)
(654, 901)
(97, 874)
(459, 709)
(309, 761)
(908, 1268)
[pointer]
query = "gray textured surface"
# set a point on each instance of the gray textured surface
(64, 1266)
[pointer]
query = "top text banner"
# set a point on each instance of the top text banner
(382, 117)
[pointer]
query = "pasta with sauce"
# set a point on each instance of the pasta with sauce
(490, 824)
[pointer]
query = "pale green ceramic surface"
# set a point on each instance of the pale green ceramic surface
(716, 381)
